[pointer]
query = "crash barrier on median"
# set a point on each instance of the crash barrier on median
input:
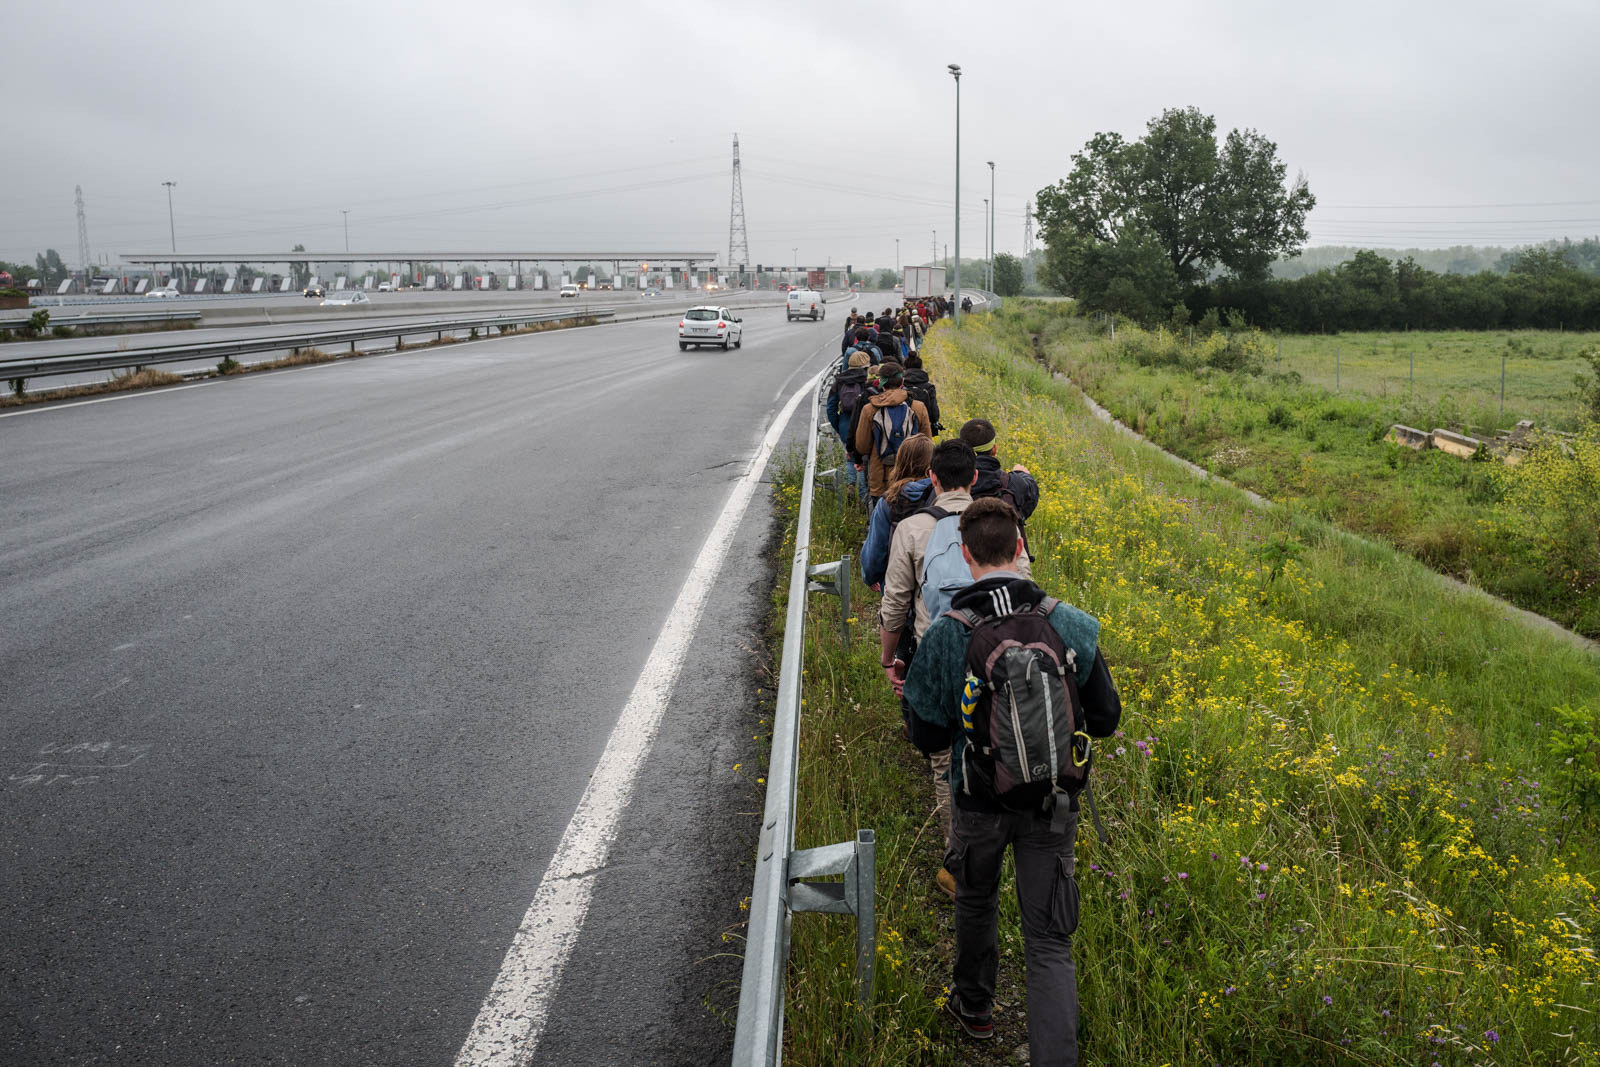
(779, 889)
(42, 366)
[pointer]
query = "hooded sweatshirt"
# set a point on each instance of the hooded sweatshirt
(878, 470)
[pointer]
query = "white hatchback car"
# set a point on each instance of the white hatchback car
(708, 325)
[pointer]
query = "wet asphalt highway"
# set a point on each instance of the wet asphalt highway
(305, 672)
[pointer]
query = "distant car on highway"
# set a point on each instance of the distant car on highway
(569, 290)
(164, 291)
(346, 298)
(650, 292)
(386, 287)
(804, 303)
(313, 290)
(708, 325)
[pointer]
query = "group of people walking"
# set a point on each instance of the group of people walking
(1002, 687)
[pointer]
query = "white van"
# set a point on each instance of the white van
(804, 303)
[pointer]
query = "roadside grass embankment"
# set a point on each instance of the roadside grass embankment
(1225, 405)
(1355, 815)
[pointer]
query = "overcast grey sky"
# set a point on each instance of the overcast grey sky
(608, 125)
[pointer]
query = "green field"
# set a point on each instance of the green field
(1289, 435)
(1454, 376)
(1355, 814)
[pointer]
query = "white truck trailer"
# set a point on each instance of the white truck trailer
(919, 283)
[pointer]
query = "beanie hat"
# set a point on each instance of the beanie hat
(859, 359)
(978, 433)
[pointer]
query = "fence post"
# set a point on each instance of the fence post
(1411, 380)
(1502, 385)
(1336, 369)
(1280, 353)
(865, 894)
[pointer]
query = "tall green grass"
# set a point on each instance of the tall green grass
(1340, 833)
(1292, 438)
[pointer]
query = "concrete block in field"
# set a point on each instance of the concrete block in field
(1456, 444)
(460, 282)
(514, 282)
(1410, 436)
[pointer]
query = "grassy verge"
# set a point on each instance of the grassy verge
(1293, 439)
(1355, 816)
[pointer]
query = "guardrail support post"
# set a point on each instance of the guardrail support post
(834, 578)
(857, 861)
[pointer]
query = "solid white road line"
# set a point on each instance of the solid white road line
(513, 1015)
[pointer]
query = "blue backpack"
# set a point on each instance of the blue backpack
(890, 427)
(944, 571)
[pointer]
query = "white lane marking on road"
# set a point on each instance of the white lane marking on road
(104, 400)
(512, 1018)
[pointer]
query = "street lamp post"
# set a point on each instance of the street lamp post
(172, 231)
(346, 215)
(955, 72)
(897, 255)
(986, 242)
(994, 206)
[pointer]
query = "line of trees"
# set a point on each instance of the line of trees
(1543, 290)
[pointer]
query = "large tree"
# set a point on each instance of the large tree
(1204, 205)
(1007, 274)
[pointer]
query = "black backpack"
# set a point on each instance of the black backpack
(1027, 738)
(852, 387)
(928, 393)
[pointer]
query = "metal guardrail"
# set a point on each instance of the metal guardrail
(80, 363)
(778, 890)
(76, 321)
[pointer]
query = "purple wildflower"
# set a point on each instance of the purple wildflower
(1327, 1000)
(1491, 1036)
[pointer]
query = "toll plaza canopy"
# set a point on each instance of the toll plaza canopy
(656, 258)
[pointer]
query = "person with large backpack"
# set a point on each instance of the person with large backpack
(1014, 681)
(911, 581)
(848, 392)
(883, 422)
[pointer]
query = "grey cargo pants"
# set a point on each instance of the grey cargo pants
(1047, 893)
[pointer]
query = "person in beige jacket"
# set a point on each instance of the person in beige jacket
(953, 471)
(891, 376)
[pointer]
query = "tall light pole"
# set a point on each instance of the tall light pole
(955, 72)
(986, 242)
(172, 231)
(994, 206)
(346, 215)
(794, 268)
(897, 255)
